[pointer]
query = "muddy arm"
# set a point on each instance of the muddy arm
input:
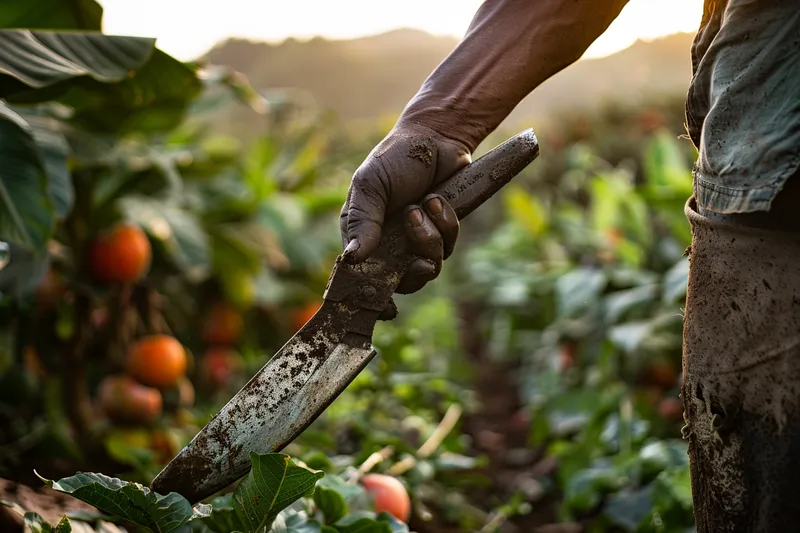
(511, 47)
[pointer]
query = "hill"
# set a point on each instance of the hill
(375, 76)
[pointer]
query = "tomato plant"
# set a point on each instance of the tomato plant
(149, 267)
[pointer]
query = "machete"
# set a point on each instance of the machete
(299, 382)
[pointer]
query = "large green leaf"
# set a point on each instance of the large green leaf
(154, 98)
(54, 151)
(331, 503)
(36, 60)
(26, 211)
(129, 501)
(112, 83)
(51, 14)
(273, 484)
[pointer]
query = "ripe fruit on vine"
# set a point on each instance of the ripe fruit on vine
(158, 361)
(121, 255)
(223, 324)
(389, 494)
(125, 400)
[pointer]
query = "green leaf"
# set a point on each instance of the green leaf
(36, 524)
(331, 503)
(223, 517)
(293, 521)
(397, 526)
(675, 281)
(36, 60)
(526, 210)
(63, 526)
(26, 212)
(274, 483)
(628, 508)
(54, 152)
(363, 525)
(152, 99)
(579, 289)
(666, 169)
(113, 84)
(51, 14)
(126, 500)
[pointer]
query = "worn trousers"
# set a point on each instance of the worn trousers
(741, 367)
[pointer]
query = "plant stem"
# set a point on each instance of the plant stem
(444, 428)
(77, 402)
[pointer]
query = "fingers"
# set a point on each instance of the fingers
(445, 220)
(363, 215)
(432, 230)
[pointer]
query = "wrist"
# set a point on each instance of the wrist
(447, 116)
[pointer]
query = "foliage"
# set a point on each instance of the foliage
(570, 284)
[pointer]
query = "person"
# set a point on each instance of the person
(741, 360)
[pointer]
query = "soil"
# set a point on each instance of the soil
(500, 433)
(51, 505)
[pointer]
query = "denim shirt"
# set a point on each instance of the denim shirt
(743, 105)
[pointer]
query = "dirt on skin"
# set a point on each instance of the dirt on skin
(422, 151)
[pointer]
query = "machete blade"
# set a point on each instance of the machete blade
(299, 382)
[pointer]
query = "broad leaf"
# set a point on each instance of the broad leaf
(331, 503)
(51, 14)
(397, 526)
(153, 99)
(54, 152)
(363, 525)
(578, 290)
(26, 212)
(293, 521)
(223, 517)
(274, 483)
(113, 84)
(37, 60)
(130, 501)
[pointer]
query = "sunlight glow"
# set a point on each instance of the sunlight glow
(188, 28)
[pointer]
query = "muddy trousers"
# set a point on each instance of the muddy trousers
(741, 364)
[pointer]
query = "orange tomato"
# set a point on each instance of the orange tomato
(158, 361)
(389, 495)
(121, 255)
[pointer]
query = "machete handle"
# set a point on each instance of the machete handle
(471, 186)
(480, 180)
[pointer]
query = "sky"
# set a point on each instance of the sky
(188, 28)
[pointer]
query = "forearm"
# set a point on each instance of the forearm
(511, 47)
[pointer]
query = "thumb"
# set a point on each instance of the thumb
(365, 212)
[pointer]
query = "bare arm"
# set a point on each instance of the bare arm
(511, 47)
